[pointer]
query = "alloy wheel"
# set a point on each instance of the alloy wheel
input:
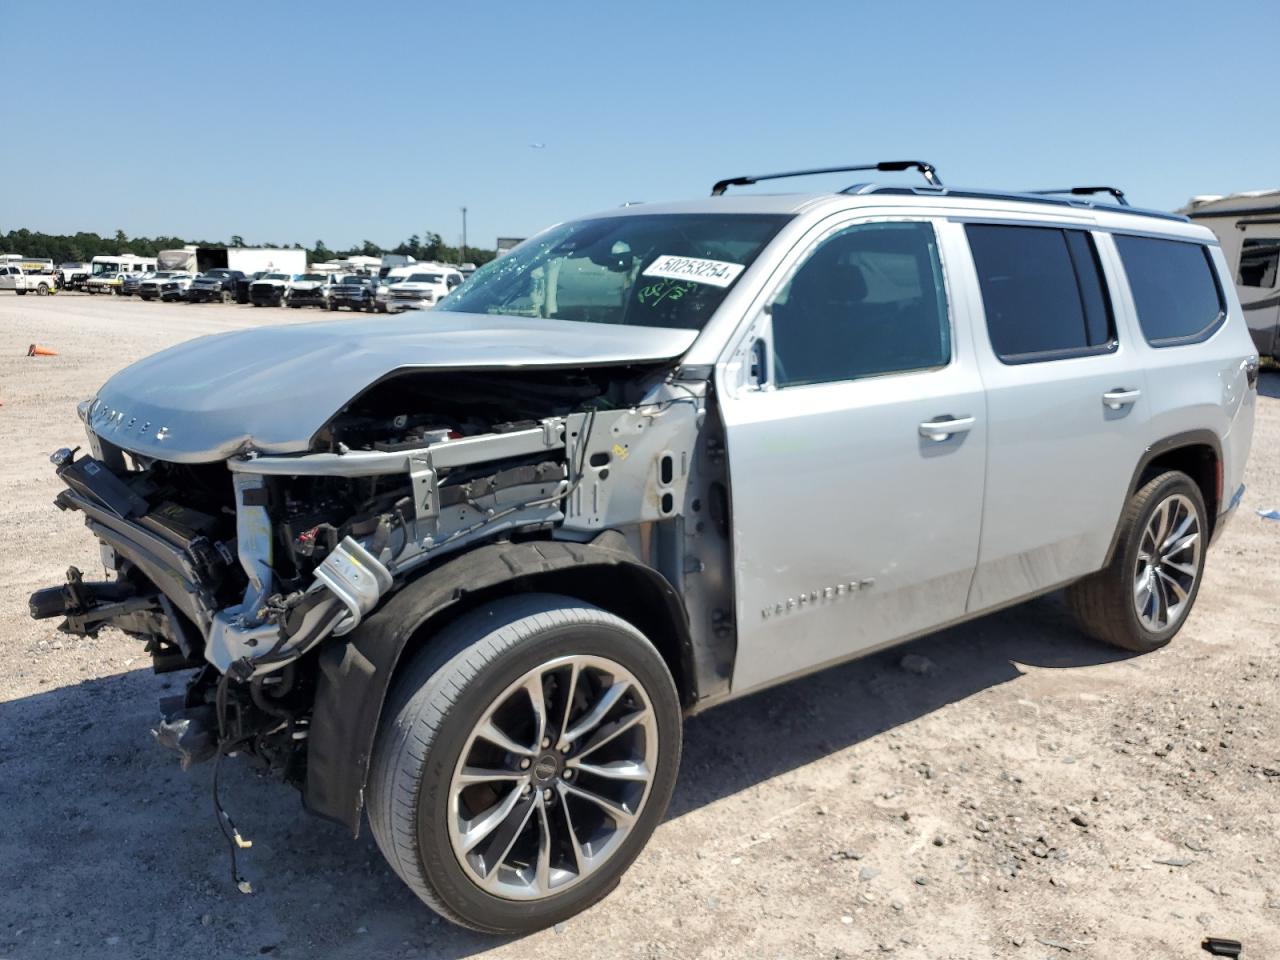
(552, 778)
(1168, 563)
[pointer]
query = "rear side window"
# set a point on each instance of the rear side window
(1042, 291)
(1259, 260)
(1175, 289)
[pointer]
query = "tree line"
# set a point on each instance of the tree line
(82, 247)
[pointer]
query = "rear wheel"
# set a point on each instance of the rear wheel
(1141, 599)
(524, 759)
(42, 290)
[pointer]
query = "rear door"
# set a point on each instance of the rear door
(1258, 283)
(857, 455)
(1068, 414)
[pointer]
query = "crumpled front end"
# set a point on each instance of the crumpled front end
(242, 567)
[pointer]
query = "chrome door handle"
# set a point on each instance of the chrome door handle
(944, 427)
(1115, 399)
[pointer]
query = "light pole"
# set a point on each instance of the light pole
(462, 253)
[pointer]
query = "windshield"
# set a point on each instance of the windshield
(276, 276)
(426, 278)
(350, 281)
(310, 276)
(656, 270)
(390, 280)
(100, 268)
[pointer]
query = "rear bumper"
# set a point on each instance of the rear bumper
(1226, 514)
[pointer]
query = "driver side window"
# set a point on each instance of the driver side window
(868, 301)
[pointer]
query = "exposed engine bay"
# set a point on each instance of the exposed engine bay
(242, 568)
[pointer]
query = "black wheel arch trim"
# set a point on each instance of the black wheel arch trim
(1177, 441)
(355, 673)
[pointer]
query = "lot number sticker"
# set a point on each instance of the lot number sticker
(717, 273)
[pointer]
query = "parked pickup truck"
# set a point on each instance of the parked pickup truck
(106, 282)
(356, 293)
(241, 292)
(218, 284)
(422, 289)
(269, 289)
(14, 278)
(150, 287)
(310, 290)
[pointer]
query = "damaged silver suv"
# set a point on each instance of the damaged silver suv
(465, 571)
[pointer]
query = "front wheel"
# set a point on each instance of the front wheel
(524, 759)
(1141, 599)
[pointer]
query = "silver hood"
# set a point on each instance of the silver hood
(271, 388)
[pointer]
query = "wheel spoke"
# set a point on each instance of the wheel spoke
(610, 731)
(543, 870)
(538, 700)
(1179, 532)
(607, 701)
(470, 775)
(490, 732)
(580, 862)
(620, 770)
(1186, 569)
(570, 690)
(508, 831)
(474, 831)
(1179, 593)
(620, 814)
(1187, 541)
(1162, 603)
(1155, 528)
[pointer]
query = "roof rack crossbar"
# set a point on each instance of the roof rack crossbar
(1085, 192)
(926, 169)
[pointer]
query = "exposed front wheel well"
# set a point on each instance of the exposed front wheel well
(624, 591)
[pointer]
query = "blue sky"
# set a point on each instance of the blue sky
(290, 122)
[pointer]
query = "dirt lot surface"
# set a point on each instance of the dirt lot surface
(1019, 792)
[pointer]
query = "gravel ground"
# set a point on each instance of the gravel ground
(1003, 789)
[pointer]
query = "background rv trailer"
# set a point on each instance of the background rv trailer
(1248, 227)
(248, 260)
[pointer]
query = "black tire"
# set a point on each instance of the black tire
(1103, 603)
(437, 699)
(42, 290)
(21, 293)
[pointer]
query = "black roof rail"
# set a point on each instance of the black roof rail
(1085, 192)
(926, 169)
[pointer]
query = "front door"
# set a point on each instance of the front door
(856, 456)
(1258, 283)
